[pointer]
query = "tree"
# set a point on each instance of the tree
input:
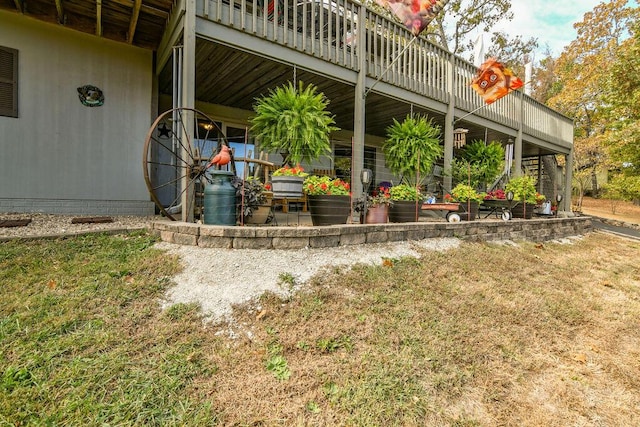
(622, 97)
(583, 71)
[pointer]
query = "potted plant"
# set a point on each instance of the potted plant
(412, 147)
(406, 203)
(329, 199)
(469, 200)
(524, 191)
(374, 209)
(479, 164)
(287, 181)
(253, 200)
(295, 122)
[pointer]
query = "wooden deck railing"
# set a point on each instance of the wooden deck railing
(327, 29)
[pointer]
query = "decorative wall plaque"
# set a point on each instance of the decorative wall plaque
(91, 96)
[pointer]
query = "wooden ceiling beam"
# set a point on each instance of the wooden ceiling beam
(149, 10)
(99, 18)
(134, 20)
(60, 10)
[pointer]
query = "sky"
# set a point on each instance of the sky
(550, 21)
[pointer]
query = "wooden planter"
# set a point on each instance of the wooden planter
(404, 211)
(468, 211)
(329, 210)
(522, 210)
(289, 187)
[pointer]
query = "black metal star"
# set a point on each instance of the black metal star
(164, 131)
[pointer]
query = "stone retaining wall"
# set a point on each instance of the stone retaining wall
(209, 236)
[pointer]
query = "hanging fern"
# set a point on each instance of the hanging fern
(294, 121)
(412, 146)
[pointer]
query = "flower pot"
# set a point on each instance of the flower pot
(289, 187)
(259, 215)
(468, 211)
(404, 211)
(522, 210)
(329, 210)
(377, 214)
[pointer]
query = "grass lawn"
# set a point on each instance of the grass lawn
(483, 335)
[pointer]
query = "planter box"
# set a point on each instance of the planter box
(289, 187)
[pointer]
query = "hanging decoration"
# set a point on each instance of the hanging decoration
(494, 80)
(459, 137)
(414, 14)
(90, 96)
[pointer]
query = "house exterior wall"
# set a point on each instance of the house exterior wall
(60, 156)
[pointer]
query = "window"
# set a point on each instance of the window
(8, 82)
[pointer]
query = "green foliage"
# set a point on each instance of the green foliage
(84, 342)
(479, 164)
(330, 345)
(294, 121)
(523, 188)
(465, 193)
(323, 185)
(276, 363)
(623, 187)
(405, 192)
(250, 193)
(412, 146)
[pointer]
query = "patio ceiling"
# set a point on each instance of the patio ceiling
(225, 76)
(234, 78)
(137, 22)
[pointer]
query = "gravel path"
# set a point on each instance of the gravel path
(217, 279)
(56, 225)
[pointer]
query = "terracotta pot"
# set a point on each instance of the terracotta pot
(329, 210)
(259, 216)
(377, 214)
(404, 211)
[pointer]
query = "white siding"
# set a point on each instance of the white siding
(58, 148)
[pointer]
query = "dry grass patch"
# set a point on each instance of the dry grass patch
(482, 335)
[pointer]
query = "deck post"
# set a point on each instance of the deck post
(359, 106)
(568, 182)
(517, 148)
(448, 123)
(188, 96)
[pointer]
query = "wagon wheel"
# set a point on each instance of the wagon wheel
(177, 150)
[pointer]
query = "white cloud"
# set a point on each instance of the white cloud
(551, 22)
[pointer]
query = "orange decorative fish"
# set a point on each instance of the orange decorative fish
(494, 81)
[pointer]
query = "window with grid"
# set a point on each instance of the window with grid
(8, 82)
